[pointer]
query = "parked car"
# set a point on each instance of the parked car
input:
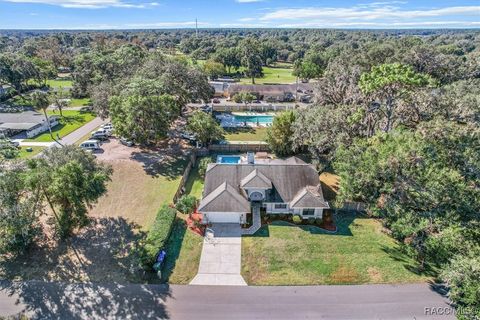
(126, 142)
(90, 145)
(216, 100)
(103, 131)
(188, 136)
(101, 136)
(107, 126)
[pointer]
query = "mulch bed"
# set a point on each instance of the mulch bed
(193, 224)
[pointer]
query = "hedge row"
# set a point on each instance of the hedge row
(158, 234)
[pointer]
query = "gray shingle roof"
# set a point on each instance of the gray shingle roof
(289, 179)
(309, 197)
(225, 198)
(256, 179)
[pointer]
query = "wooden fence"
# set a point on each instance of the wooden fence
(247, 147)
(353, 207)
(186, 173)
(253, 107)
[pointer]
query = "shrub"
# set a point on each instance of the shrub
(462, 278)
(186, 204)
(158, 234)
(203, 164)
(311, 220)
(318, 221)
(297, 219)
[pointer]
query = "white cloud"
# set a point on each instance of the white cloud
(362, 13)
(89, 4)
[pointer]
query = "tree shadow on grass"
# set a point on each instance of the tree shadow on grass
(240, 130)
(103, 251)
(104, 256)
(156, 164)
(173, 248)
(399, 255)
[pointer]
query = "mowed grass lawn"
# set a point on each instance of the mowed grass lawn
(246, 134)
(184, 247)
(279, 74)
(283, 254)
(71, 121)
(57, 83)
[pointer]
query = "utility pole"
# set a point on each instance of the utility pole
(196, 27)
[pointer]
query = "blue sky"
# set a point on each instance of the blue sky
(135, 14)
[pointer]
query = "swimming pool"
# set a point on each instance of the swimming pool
(263, 119)
(228, 159)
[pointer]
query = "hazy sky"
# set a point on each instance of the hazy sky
(134, 14)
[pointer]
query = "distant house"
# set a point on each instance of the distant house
(30, 123)
(272, 93)
(220, 88)
(4, 89)
(278, 186)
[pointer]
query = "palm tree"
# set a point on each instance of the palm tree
(40, 101)
(59, 98)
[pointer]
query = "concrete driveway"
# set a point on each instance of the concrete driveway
(221, 260)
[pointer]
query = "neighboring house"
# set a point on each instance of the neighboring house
(30, 123)
(273, 92)
(4, 89)
(280, 187)
(220, 88)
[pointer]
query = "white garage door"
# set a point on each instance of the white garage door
(223, 217)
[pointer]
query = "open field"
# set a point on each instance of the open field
(246, 134)
(56, 83)
(279, 74)
(105, 251)
(71, 121)
(284, 254)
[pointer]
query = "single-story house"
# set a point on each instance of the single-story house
(271, 92)
(220, 88)
(280, 187)
(29, 122)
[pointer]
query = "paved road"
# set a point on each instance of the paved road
(76, 135)
(89, 301)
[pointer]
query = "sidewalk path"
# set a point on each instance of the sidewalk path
(44, 300)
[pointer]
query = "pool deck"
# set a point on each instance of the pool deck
(229, 121)
(252, 113)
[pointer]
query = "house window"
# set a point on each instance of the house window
(280, 206)
(308, 212)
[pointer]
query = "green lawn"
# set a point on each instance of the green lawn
(56, 83)
(184, 249)
(279, 74)
(246, 134)
(283, 254)
(80, 102)
(71, 121)
(194, 185)
(24, 154)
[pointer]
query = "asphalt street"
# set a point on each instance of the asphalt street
(40, 300)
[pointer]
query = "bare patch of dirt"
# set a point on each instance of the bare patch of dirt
(375, 275)
(344, 274)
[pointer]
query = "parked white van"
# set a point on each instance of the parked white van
(90, 145)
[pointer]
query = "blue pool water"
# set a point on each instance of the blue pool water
(255, 119)
(228, 159)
